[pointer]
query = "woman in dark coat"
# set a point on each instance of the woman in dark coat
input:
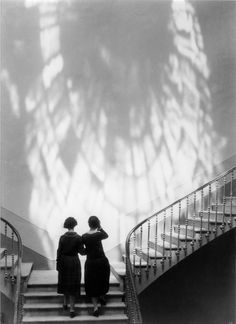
(68, 264)
(97, 267)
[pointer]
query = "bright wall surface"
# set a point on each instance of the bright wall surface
(113, 108)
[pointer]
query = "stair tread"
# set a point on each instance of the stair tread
(180, 236)
(211, 212)
(198, 219)
(205, 220)
(54, 293)
(138, 261)
(78, 305)
(152, 253)
(196, 228)
(50, 277)
(80, 318)
(221, 204)
(212, 215)
(166, 245)
(26, 268)
(119, 267)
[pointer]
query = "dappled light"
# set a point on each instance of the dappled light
(118, 111)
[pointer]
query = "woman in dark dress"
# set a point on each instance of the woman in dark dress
(97, 267)
(68, 265)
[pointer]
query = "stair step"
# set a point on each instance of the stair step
(174, 238)
(53, 287)
(213, 216)
(85, 319)
(137, 261)
(119, 271)
(26, 268)
(228, 201)
(191, 230)
(53, 297)
(119, 268)
(204, 222)
(159, 246)
(9, 262)
(220, 208)
(152, 254)
(46, 280)
(81, 308)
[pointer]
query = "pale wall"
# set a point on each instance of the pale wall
(113, 108)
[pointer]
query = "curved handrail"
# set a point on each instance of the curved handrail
(180, 199)
(132, 302)
(131, 289)
(18, 275)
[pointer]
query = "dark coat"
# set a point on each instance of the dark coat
(68, 263)
(97, 267)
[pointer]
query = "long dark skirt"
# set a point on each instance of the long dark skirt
(97, 275)
(69, 275)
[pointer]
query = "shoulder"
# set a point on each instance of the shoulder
(78, 237)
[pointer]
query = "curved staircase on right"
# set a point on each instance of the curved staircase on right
(167, 237)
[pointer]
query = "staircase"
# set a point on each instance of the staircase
(13, 272)
(172, 234)
(152, 247)
(42, 304)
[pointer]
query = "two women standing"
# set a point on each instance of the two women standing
(97, 268)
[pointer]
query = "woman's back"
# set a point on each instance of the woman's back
(70, 244)
(92, 241)
(97, 267)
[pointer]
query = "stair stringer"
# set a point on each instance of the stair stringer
(197, 289)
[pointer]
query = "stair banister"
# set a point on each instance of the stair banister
(17, 305)
(133, 307)
(131, 298)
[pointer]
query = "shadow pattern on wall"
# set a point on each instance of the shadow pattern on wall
(113, 105)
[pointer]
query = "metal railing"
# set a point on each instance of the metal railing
(12, 262)
(165, 238)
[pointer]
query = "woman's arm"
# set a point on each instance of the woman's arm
(103, 234)
(58, 254)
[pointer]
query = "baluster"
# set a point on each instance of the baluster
(201, 217)
(222, 227)
(164, 239)
(141, 252)
(178, 240)
(171, 231)
(148, 239)
(194, 218)
(186, 225)
(12, 258)
(126, 259)
(216, 213)
(231, 199)
(208, 212)
(134, 254)
(5, 254)
(156, 234)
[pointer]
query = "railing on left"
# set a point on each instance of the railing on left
(11, 241)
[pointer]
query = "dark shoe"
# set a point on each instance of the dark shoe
(65, 307)
(96, 313)
(103, 301)
(72, 314)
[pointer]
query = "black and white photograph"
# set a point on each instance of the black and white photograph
(118, 161)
